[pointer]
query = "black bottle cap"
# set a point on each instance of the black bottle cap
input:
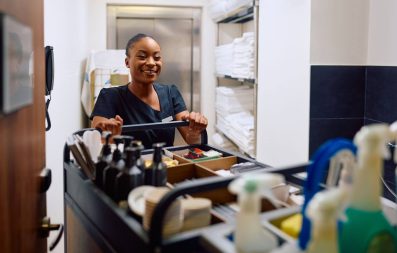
(158, 147)
(106, 150)
(127, 140)
(117, 153)
(129, 151)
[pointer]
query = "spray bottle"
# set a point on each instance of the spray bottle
(315, 175)
(250, 236)
(366, 228)
(323, 211)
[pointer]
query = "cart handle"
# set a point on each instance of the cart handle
(199, 185)
(202, 185)
(139, 127)
(162, 125)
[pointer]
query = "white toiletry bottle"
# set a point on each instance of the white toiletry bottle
(250, 236)
(323, 211)
(366, 224)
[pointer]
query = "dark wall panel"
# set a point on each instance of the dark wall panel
(337, 91)
(344, 98)
(322, 130)
(337, 98)
(381, 94)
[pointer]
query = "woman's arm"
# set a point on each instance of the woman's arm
(113, 124)
(197, 123)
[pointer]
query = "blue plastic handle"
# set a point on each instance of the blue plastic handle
(315, 175)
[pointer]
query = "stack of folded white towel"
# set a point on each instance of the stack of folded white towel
(241, 131)
(222, 142)
(237, 59)
(234, 106)
(243, 56)
(220, 9)
(224, 59)
(234, 99)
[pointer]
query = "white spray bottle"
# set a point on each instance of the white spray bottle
(366, 224)
(250, 236)
(324, 210)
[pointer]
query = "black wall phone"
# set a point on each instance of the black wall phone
(49, 81)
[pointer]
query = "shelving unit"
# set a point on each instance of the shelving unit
(231, 26)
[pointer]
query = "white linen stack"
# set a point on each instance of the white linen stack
(237, 59)
(224, 59)
(220, 9)
(222, 142)
(243, 56)
(217, 9)
(241, 131)
(234, 106)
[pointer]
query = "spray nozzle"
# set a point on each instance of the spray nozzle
(373, 140)
(327, 205)
(106, 150)
(257, 183)
(250, 186)
(341, 166)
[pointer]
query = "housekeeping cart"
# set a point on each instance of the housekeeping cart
(94, 222)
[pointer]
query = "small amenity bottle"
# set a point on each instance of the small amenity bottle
(111, 171)
(158, 169)
(129, 177)
(104, 159)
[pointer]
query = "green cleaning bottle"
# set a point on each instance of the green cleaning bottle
(366, 229)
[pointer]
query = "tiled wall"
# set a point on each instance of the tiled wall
(344, 98)
(381, 94)
(337, 100)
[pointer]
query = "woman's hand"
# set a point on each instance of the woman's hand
(197, 123)
(113, 124)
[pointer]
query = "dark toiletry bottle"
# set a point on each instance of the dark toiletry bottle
(127, 143)
(104, 159)
(140, 163)
(130, 177)
(115, 166)
(158, 168)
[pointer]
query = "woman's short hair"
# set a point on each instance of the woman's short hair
(135, 39)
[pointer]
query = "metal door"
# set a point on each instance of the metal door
(178, 32)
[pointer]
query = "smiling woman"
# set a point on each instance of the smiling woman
(144, 101)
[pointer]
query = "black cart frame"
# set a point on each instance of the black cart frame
(117, 230)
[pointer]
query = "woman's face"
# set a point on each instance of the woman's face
(144, 61)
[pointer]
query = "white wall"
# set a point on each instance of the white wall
(284, 79)
(339, 32)
(65, 28)
(382, 38)
(74, 28)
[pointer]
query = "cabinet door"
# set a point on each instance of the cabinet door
(22, 148)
